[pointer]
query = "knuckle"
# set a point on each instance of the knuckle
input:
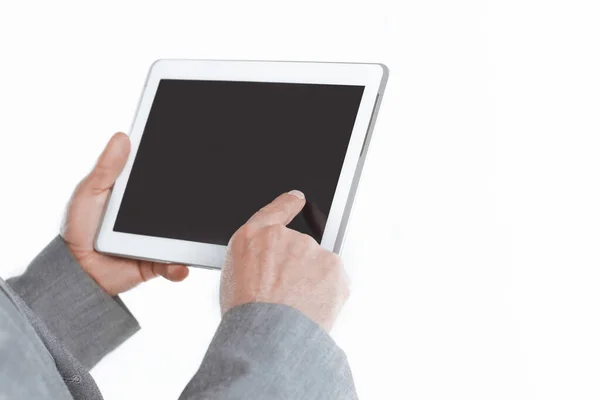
(276, 216)
(244, 232)
(265, 209)
(272, 234)
(306, 240)
(333, 260)
(270, 209)
(302, 244)
(276, 229)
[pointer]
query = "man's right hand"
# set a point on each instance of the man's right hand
(270, 263)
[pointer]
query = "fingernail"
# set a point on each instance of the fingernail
(297, 193)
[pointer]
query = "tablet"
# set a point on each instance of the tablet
(214, 141)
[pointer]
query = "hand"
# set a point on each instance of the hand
(268, 262)
(115, 275)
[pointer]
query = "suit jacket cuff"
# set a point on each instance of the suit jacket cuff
(88, 321)
(271, 351)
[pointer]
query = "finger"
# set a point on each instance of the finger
(172, 272)
(176, 272)
(282, 210)
(148, 270)
(110, 163)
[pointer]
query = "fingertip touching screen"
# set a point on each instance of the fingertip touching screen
(214, 152)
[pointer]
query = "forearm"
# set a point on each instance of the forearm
(88, 321)
(269, 351)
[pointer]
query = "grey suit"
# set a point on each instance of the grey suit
(56, 323)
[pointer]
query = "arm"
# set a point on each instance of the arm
(88, 321)
(270, 351)
(23, 356)
(280, 294)
(72, 287)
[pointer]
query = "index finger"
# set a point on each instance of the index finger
(282, 210)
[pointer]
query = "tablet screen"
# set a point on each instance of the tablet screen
(214, 152)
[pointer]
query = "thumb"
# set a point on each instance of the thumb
(110, 163)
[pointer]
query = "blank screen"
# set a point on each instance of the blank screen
(214, 152)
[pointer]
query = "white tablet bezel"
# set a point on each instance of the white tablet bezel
(371, 76)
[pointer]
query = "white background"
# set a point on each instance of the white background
(474, 244)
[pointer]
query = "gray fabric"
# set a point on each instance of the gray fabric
(27, 369)
(57, 323)
(73, 317)
(271, 351)
(81, 315)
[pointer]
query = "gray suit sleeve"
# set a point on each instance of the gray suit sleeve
(271, 351)
(27, 370)
(88, 321)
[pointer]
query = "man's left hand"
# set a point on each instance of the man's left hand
(84, 213)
